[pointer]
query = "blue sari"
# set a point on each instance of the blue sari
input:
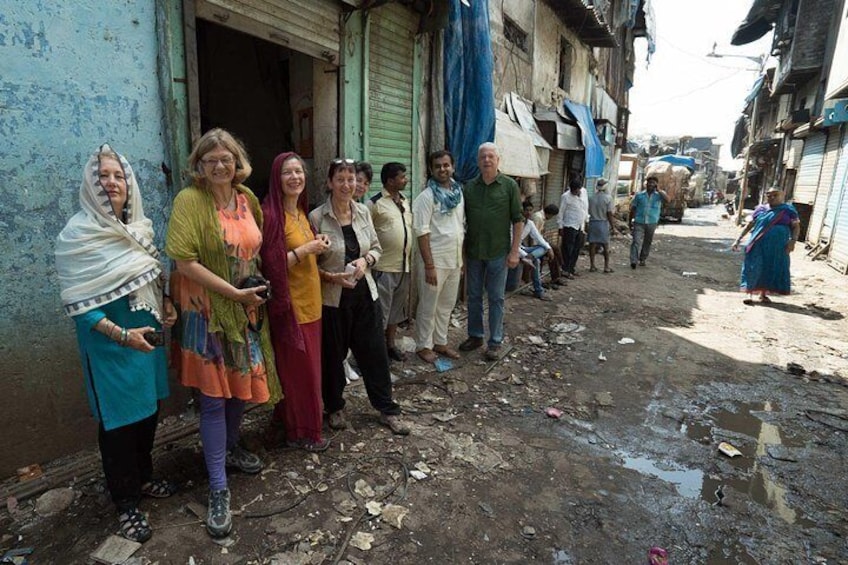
(766, 265)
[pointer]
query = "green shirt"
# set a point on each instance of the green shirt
(490, 212)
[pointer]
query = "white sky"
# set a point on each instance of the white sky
(683, 92)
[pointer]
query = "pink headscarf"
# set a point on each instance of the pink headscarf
(274, 252)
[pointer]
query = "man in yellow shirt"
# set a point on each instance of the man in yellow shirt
(392, 217)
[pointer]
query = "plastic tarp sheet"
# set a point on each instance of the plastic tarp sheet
(519, 157)
(469, 95)
(595, 160)
(678, 160)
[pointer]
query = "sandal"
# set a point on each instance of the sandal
(310, 446)
(448, 352)
(158, 488)
(765, 299)
(134, 526)
(593, 269)
(396, 354)
(427, 355)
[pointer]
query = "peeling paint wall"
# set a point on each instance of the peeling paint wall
(548, 34)
(72, 76)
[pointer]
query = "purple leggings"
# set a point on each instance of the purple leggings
(220, 419)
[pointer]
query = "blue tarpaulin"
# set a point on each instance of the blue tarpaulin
(469, 95)
(679, 160)
(595, 159)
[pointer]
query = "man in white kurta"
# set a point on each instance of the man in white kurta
(438, 221)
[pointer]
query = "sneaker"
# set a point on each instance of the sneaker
(642, 263)
(544, 297)
(350, 372)
(632, 265)
(471, 343)
(219, 519)
(394, 423)
(493, 352)
(243, 460)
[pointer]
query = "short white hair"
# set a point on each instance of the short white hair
(488, 145)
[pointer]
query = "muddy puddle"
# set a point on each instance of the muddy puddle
(756, 438)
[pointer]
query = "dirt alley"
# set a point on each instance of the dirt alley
(632, 463)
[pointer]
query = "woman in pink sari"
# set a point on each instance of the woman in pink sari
(289, 261)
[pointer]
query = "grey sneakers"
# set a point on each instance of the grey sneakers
(219, 519)
(243, 460)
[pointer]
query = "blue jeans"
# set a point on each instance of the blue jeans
(492, 274)
(535, 254)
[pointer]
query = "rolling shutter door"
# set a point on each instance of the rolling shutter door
(391, 53)
(810, 169)
(840, 180)
(831, 153)
(838, 257)
(307, 26)
(554, 183)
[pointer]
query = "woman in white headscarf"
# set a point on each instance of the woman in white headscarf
(112, 286)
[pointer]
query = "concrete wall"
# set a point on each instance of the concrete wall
(75, 75)
(513, 66)
(546, 91)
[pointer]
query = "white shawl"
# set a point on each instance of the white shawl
(100, 258)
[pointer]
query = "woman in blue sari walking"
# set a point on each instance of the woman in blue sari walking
(774, 229)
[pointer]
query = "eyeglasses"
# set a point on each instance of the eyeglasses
(345, 161)
(225, 161)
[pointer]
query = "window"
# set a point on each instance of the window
(566, 53)
(515, 34)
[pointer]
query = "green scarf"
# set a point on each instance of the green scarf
(194, 234)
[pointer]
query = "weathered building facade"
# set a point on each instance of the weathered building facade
(363, 79)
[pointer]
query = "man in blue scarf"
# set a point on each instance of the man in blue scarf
(438, 221)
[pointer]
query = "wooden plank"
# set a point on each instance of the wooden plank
(115, 550)
(192, 77)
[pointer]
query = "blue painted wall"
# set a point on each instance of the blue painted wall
(73, 74)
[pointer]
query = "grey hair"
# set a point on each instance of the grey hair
(489, 145)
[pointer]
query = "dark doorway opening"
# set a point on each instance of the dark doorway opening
(245, 88)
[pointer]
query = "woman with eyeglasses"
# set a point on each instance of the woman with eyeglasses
(111, 280)
(290, 251)
(351, 317)
(223, 347)
(774, 228)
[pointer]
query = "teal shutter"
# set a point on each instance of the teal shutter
(391, 59)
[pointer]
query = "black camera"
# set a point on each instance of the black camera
(254, 281)
(155, 339)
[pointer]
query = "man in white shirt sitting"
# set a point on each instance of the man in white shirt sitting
(533, 248)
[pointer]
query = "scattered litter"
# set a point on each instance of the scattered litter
(407, 344)
(362, 540)
(728, 449)
(795, 369)
(528, 532)
(322, 487)
(54, 501)
(224, 542)
(114, 550)
(29, 472)
(197, 510)
(602, 357)
(486, 508)
(552, 412)
(626, 341)
(515, 380)
(394, 514)
(535, 340)
(657, 556)
(446, 417)
(374, 508)
(566, 339)
(688, 274)
(443, 364)
(418, 475)
(563, 327)
(604, 399)
(363, 489)
(423, 467)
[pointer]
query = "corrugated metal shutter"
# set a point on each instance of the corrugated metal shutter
(831, 153)
(808, 174)
(838, 257)
(307, 26)
(840, 180)
(554, 183)
(391, 53)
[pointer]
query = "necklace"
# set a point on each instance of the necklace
(296, 217)
(230, 201)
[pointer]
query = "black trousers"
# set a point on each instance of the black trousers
(127, 462)
(572, 242)
(357, 324)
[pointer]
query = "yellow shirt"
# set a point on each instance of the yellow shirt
(304, 282)
(394, 230)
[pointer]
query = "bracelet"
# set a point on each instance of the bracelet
(112, 330)
(125, 336)
(296, 258)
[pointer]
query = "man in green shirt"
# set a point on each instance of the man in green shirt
(492, 207)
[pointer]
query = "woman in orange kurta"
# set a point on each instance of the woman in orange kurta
(214, 236)
(289, 259)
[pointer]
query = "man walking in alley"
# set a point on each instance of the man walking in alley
(600, 224)
(573, 213)
(644, 216)
(393, 223)
(438, 218)
(492, 205)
